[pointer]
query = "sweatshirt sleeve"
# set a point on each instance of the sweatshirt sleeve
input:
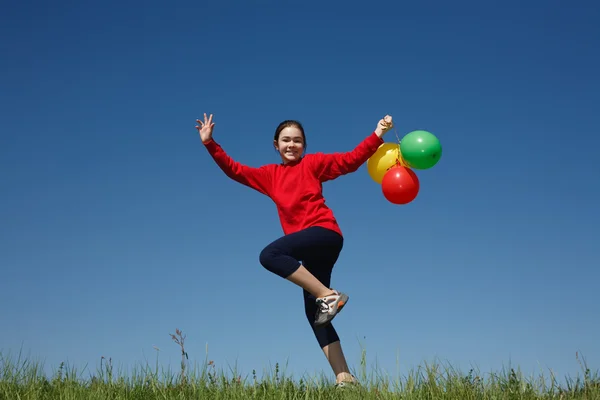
(330, 166)
(258, 179)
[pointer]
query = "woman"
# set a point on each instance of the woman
(312, 239)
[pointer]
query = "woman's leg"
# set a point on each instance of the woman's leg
(283, 257)
(320, 263)
(335, 356)
(318, 249)
(307, 281)
(328, 340)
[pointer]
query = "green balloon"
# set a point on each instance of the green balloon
(420, 149)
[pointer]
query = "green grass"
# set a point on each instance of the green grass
(23, 379)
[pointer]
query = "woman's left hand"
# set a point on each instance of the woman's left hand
(384, 125)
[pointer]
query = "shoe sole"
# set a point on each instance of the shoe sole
(338, 306)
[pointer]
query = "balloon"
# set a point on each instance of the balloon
(383, 159)
(400, 185)
(421, 149)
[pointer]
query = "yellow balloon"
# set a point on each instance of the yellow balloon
(386, 156)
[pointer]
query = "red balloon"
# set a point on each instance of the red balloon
(400, 185)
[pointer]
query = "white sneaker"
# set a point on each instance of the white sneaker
(329, 306)
(351, 383)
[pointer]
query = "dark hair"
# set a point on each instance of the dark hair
(290, 123)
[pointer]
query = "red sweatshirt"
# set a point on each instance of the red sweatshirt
(296, 188)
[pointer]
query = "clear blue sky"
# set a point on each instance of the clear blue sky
(117, 227)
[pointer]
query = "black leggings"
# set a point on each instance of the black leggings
(317, 249)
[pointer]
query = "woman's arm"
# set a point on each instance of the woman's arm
(330, 166)
(256, 178)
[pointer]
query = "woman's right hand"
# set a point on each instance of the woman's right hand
(205, 128)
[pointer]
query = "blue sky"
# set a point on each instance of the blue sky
(118, 228)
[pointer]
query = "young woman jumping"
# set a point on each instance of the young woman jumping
(312, 240)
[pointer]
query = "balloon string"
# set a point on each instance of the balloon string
(397, 137)
(399, 160)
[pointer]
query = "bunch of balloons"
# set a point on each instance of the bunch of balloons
(392, 165)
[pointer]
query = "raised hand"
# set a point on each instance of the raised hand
(205, 128)
(384, 125)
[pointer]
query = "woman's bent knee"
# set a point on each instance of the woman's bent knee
(266, 257)
(278, 261)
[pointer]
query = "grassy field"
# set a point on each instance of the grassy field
(22, 379)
